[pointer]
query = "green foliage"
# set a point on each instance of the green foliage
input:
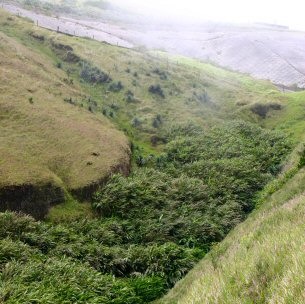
(86, 261)
(93, 75)
(156, 90)
(148, 288)
(116, 86)
(205, 184)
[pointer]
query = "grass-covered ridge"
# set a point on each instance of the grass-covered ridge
(48, 145)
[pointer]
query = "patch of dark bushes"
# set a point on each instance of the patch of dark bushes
(93, 75)
(61, 46)
(116, 86)
(162, 74)
(136, 122)
(37, 36)
(156, 90)
(157, 121)
(262, 109)
(129, 96)
(71, 57)
(155, 140)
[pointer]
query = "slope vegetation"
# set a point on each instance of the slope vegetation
(261, 260)
(261, 50)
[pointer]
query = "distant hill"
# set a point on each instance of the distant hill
(264, 51)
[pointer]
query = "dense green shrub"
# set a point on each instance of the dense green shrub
(93, 75)
(60, 280)
(92, 248)
(156, 90)
(116, 86)
(205, 185)
(15, 250)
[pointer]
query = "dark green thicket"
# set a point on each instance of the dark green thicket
(93, 74)
(155, 225)
(262, 109)
(156, 90)
(202, 186)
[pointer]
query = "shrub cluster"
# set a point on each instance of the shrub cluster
(157, 90)
(89, 261)
(200, 188)
(93, 75)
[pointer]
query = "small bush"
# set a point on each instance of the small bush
(162, 74)
(116, 86)
(136, 122)
(157, 121)
(129, 96)
(93, 74)
(157, 90)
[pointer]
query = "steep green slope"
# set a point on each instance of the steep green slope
(47, 145)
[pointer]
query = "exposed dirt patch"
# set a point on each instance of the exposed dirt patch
(35, 200)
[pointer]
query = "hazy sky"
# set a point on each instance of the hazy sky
(285, 12)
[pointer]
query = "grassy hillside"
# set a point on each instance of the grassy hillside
(48, 145)
(200, 161)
